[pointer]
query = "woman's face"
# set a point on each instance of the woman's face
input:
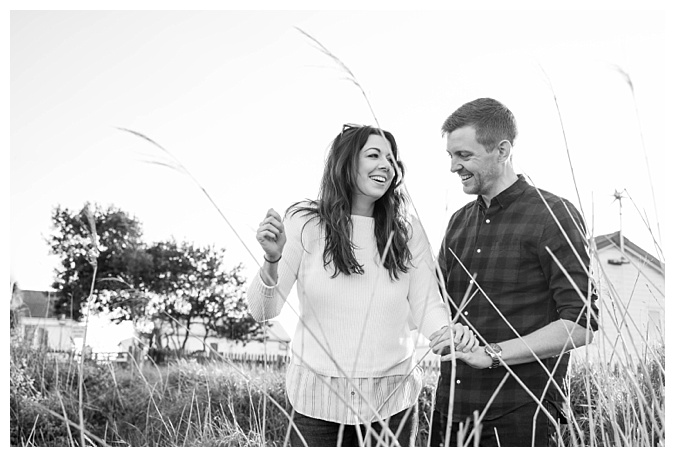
(375, 170)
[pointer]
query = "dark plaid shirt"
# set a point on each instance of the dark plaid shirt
(505, 246)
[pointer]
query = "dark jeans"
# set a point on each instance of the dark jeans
(321, 433)
(511, 429)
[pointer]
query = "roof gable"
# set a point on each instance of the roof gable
(612, 239)
(37, 303)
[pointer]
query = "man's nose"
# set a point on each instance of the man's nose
(455, 166)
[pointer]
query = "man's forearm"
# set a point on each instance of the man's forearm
(552, 340)
(555, 339)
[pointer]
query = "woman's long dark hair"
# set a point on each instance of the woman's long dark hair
(333, 206)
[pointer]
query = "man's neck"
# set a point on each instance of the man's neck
(504, 182)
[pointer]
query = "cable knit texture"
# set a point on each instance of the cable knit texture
(356, 325)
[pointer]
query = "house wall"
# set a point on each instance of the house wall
(631, 305)
(58, 336)
(224, 345)
(196, 341)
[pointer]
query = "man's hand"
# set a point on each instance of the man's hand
(477, 358)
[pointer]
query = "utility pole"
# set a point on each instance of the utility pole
(619, 196)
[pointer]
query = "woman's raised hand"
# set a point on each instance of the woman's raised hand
(271, 235)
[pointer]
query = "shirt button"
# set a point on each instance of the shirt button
(466, 313)
(478, 250)
(487, 221)
(353, 393)
(459, 382)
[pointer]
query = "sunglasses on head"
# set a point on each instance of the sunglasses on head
(346, 127)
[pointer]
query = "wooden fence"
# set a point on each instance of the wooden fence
(251, 360)
(280, 361)
(271, 361)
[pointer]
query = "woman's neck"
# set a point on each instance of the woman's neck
(361, 208)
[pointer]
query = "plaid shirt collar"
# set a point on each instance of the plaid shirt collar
(508, 195)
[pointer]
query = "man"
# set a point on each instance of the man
(524, 308)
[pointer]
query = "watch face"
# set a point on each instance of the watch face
(495, 349)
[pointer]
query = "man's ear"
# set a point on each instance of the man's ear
(504, 150)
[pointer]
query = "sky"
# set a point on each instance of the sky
(248, 105)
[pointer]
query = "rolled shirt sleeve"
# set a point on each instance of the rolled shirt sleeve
(570, 285)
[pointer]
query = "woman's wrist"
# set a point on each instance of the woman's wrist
(271, 260)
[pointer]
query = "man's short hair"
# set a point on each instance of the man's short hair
(493, 122)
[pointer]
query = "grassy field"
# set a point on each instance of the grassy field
(216, 404)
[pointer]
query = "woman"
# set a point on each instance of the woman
(364, 276)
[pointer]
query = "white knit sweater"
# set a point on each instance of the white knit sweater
(356, 325)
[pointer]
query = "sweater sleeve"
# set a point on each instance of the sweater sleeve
(265, 302)
(429, 312)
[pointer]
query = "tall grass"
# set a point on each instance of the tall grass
(184, 404)
(192, 404)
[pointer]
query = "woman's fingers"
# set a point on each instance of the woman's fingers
(437, 335)
(464, 339)
(271, 212)
(273, 221)
(468, 341)
(460, 336)
(266, 235)
(270, 228)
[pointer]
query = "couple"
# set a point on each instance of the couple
(365, 277)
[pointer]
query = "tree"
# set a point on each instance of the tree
(163, 287)
(197, 289)
(121, 254)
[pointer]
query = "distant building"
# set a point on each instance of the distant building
(631, 300)
(276, 342)
(39, 325)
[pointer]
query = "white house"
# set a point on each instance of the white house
(39, 325)
(276, 342)
(631, 299)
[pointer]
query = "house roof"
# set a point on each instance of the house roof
(37, 303)
(612, 239)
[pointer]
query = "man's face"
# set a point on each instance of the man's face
(477, 168)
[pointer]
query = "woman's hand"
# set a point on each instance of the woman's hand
(460, 336)
(271, 235)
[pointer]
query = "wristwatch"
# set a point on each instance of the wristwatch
(494, 351)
